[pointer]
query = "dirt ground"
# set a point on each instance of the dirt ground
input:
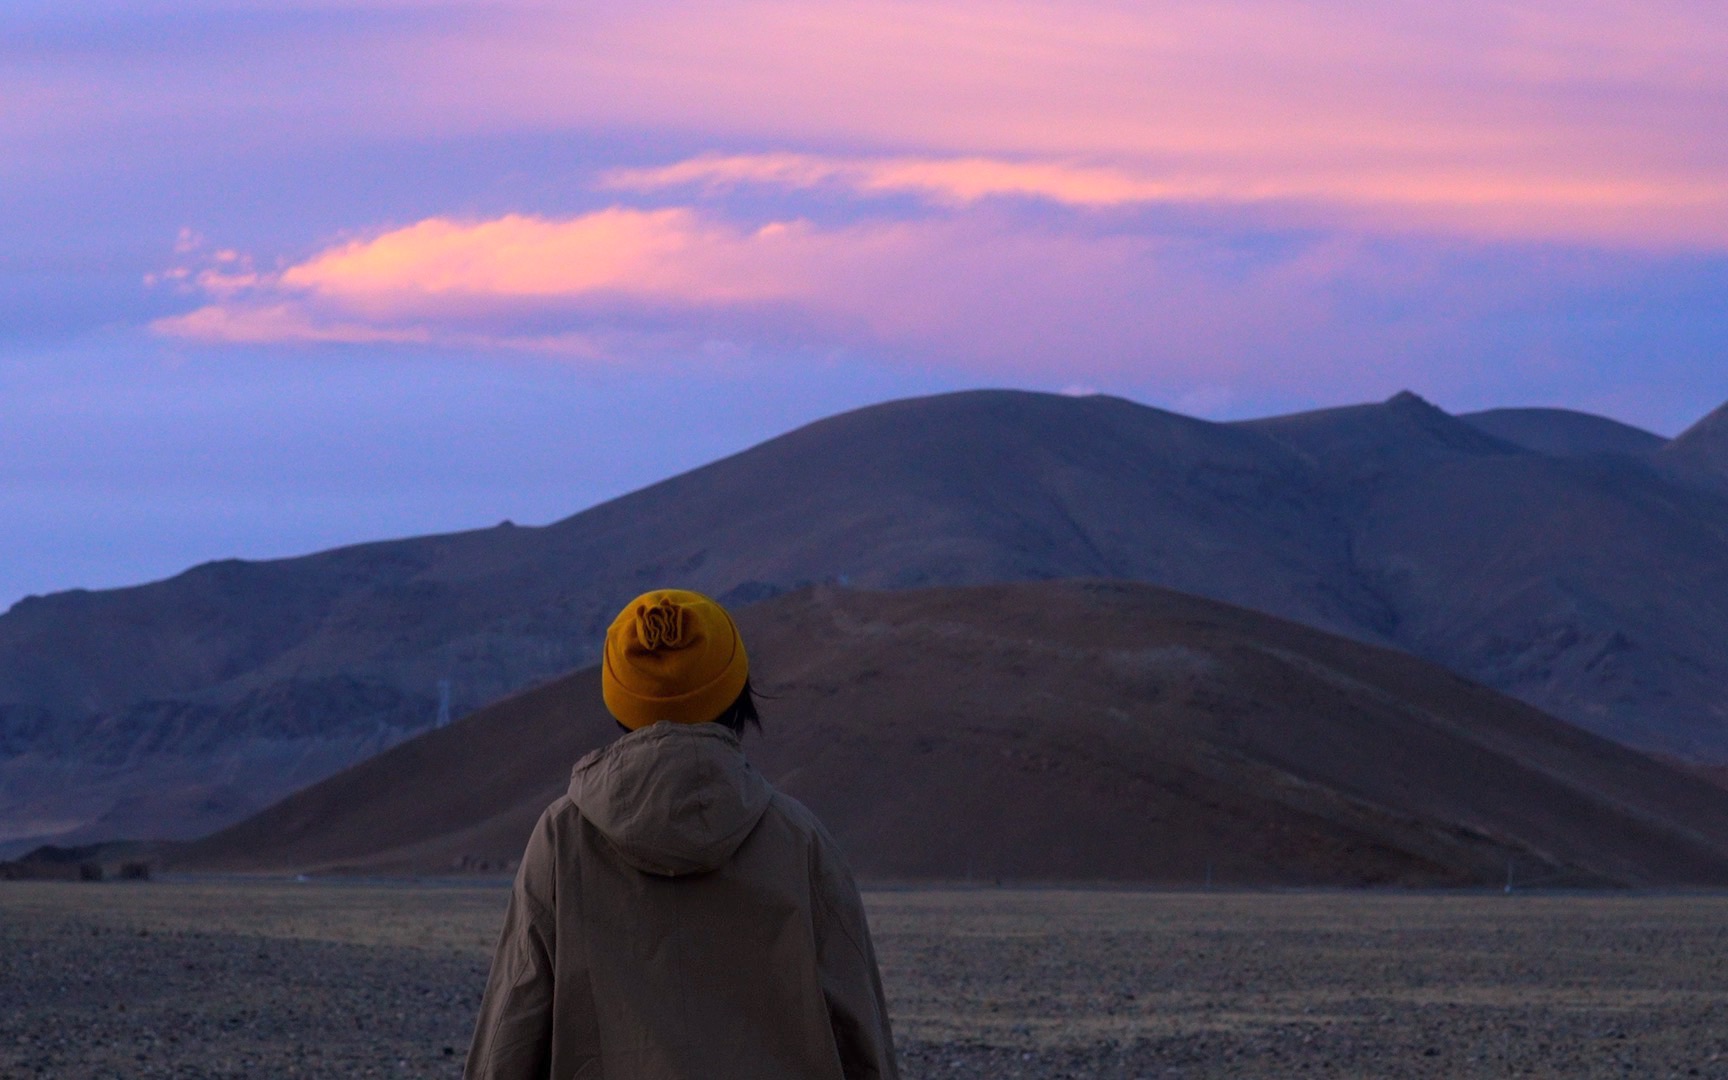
(266, 979)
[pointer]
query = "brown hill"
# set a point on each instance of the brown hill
(1068, 731)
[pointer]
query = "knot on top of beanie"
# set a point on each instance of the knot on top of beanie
(661, 626)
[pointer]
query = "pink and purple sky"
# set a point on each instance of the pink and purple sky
(283, 274)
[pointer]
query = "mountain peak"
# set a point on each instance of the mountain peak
(1404, 431)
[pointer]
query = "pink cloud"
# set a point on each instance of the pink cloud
(497, 282)
(957, 181)
(983, 291)
(278, 323)
(645, 253)
(1518, 207)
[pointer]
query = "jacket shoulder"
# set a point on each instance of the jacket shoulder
(541, 858)
(796, 816)
(561, 813)
(820, 847)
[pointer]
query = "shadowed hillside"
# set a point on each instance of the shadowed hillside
(1539, 574)
(1593, 586)
(1068, 731)
(1563, 433)
(1704, 446)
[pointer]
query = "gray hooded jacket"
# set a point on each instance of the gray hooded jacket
(675, 918)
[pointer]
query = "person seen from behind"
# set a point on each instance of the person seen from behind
(675, 917)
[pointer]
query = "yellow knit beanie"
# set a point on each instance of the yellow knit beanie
(672, 655)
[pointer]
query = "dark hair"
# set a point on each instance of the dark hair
(741, 713)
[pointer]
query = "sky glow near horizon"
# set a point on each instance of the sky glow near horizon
(282, 275)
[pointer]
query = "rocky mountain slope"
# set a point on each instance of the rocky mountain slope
(1075, 731)
(1594, 585)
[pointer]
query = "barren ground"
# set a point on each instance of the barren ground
(263, 979)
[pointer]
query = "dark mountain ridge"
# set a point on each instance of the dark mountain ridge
(1563, 432)
(1363, 442)
(1592, 586)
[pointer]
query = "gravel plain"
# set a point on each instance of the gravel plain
(250, 978)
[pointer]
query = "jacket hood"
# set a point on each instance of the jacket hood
(674, 799)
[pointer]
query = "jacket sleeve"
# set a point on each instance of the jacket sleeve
(851, 982)
(513, 1037)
